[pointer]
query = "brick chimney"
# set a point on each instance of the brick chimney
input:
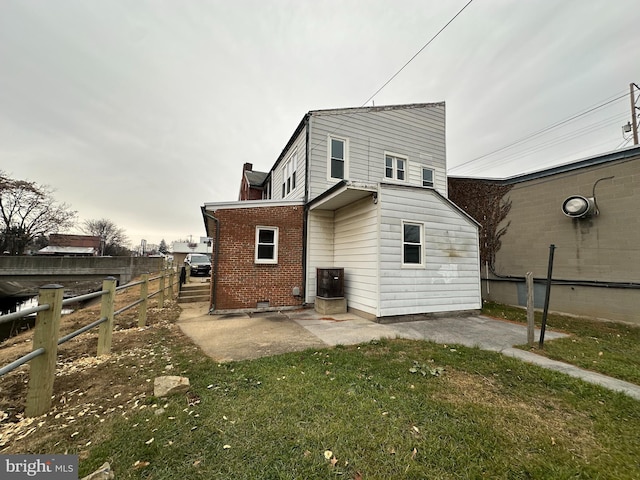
(248, 167)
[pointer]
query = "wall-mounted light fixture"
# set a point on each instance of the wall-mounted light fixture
(577, 206)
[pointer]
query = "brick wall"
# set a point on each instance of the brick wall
(241, 283)
(63, 240)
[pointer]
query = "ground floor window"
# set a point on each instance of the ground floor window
(266, 245)
(412, 244)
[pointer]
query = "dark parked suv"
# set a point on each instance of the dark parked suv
(200, 264)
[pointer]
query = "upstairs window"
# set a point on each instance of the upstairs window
(412, 244)
(427, 177)
(337, 167)
(289, 175)
(266, 245)
(395, 167)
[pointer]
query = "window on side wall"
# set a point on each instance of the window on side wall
(412, 244)
(289, 175)
(338, 158)
(395, 167)
(266, 245)
(427, 177)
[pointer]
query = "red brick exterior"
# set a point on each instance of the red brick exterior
(63, 240)
(247, 192)
(242, 283)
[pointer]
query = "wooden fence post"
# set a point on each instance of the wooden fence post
(144, 292)
(172, 274)
(161, 294)
(106, 310)
(43, 367)
(530, 311)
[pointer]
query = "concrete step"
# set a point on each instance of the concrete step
(193, 298)
(195, 292)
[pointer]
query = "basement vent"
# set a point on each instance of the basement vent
(263, 304)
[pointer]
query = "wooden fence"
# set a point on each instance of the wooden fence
(45, 337)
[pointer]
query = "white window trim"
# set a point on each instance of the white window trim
(346, 157)
(433, 177)
(289, 182)
(267, 261)
(422, 246)
(395, 157)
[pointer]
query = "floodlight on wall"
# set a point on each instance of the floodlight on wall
(577, 206)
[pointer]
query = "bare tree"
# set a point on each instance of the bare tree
(113, 238)
(485, 201)
(27, 211)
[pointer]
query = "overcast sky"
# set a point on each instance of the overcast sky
(142, 111)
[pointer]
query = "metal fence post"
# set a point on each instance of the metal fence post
(144, 292)
(161, 295)
(43, 367)
(106, 310)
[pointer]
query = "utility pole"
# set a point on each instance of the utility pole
(634, 123)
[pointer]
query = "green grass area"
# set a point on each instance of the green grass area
(389, 409)
(606, 347)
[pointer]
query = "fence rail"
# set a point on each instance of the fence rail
(46, 331)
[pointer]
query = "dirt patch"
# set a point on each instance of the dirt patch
(89, 389)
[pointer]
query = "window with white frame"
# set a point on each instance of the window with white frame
(412, 244)
(427, 177)
(289, 175)
(266, 245)
(395, 167)
(338, 160)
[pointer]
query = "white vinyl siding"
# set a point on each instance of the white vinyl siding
(450, 279)
(293, 161)
(346, 238)
(320, 247)
(417, 133)
(356, 249)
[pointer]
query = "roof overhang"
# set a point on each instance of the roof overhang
(343, 194)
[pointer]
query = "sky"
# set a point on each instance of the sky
(141, 112)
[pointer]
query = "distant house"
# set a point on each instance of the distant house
(360, 193)
(588, 210)
(252, 186)
(72, 245)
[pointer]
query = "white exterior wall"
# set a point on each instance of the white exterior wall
(299, 147)
(320, 232)
(450, 277)
(356, 249)
(417, 133)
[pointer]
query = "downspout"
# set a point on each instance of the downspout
(214, 276)
(305, 212)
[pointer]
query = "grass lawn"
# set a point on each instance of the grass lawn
(606, 347)
(382, 410)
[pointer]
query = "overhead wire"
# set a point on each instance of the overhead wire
(403, 66)
(563, 138)
(589, 110)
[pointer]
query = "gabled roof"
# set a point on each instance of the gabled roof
(255, 179)
(614, 156)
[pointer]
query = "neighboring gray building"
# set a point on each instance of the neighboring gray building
(596, 268)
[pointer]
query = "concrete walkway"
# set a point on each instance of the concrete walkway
(247, 336)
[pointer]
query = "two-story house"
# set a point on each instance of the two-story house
(361, 189)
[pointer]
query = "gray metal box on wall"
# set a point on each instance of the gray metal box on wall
(539, 294)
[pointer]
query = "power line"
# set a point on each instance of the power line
(589, 110)
(401, 69)
(416, 54)
(612, 120)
